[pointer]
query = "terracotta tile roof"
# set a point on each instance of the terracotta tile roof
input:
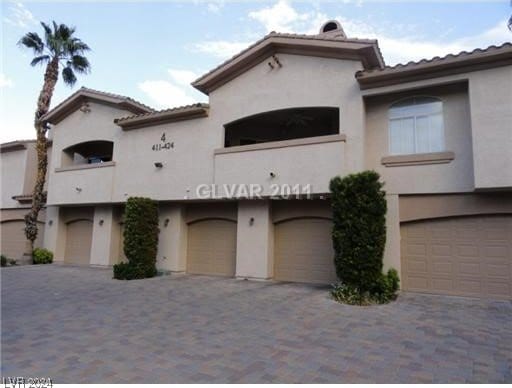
(489, 54)
(92, 93)
(184, 112)
(326, 37)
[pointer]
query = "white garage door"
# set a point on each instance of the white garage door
(13, 238)
(78, 242)
(212, 247)
(303, 251)
(469, 256)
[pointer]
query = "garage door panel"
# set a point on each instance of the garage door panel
(469, 267)
(464, 250)
(303, 251)
(444, 284)
(476, 261)
(498, 269)
(442, 266)
(212, 248)
(13, 240)
(78, 242)
(470, 286)
(499, 289)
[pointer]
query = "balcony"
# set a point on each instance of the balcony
(77, 184)
(308, 161)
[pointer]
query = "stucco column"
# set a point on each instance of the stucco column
(255, 240)
(172, 240)
(102, 236)
(55, 233)
(392, 249)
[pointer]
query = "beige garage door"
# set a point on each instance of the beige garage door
(212, 247)
(469, 256)
(78, 242)
(13, 238)
(303, 251)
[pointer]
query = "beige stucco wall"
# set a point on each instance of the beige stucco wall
(455, 176)
(420, 207)
(13, 166)
(490, 94)
(172, 240)
(255, 240)
(301, 81)
(78, 127)
(187, 165)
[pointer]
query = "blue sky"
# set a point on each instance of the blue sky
(151, 51)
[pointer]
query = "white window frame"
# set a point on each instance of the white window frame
(415, 113)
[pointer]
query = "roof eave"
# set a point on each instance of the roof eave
(57, 114)
(443, 67)
(162, 118)
(365, 51)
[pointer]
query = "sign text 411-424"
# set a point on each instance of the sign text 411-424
(164, 145)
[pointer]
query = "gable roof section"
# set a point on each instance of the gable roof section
(478, 59)
(84, 95)
(322, 45)
(180, 113)
(16, 145)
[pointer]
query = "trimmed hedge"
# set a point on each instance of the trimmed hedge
(42, 256)
(140, 239)
(359, 236)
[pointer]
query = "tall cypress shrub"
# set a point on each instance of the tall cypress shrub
(140, 239)
(359, 229)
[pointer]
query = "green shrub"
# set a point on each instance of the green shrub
(127, 271)
(140, 239)
(3, 260)
(42, 256)
(359, 236)
(386, 287)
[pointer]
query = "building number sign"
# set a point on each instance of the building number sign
(164, 145)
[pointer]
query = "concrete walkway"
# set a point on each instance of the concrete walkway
(77, 325)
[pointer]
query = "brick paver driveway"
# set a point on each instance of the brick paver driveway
(79, 325)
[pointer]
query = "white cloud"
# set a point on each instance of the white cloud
(19, 16)
(215, 6)
(182, 77)
(5, 82)
(222, 49)
(176, 91)
(399, 42)
(402, 50)
(282, 17)
(165, 94)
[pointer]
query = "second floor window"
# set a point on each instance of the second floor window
(416, 126)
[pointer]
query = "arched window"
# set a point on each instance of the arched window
(90, 152)
(282, 124)
(416, 126)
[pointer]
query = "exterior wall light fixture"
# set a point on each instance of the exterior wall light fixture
(166, 222)
(159, 164)
(78, 189)
(251, 221)
(102, 222)
(272, 174)
(50, 222)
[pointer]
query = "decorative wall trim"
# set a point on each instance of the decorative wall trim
(282, 144)
(85, 166)
(418, 159)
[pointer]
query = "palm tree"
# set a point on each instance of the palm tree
(59, 47)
